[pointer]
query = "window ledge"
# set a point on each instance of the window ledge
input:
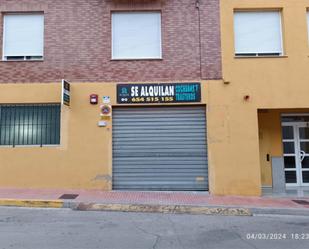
(31, 146)
(21, 60)
(260, 57)
(138, 59)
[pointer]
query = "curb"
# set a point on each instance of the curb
(155, 208)
(32, 203)
(263, 211)
(167, 209)
(144, 208)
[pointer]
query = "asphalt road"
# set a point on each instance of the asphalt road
(66, 229)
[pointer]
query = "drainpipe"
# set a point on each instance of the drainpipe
(197, 6)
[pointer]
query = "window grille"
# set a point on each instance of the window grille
(37, 124)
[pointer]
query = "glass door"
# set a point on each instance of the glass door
(296, 153)
(290, 153)
(303, 134)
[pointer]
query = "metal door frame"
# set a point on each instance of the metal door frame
(297, 152)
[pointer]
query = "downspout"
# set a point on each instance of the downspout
(197, 6)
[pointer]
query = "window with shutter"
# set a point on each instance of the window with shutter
(136, 35)
(258, 33)
(23, 37)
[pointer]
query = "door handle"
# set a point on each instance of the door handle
(302, 155)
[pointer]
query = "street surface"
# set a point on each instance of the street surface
(23, 228)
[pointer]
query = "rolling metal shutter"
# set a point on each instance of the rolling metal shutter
(160, 148)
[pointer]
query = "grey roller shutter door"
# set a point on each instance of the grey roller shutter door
(160, 148)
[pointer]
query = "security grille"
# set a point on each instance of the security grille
(30, 124)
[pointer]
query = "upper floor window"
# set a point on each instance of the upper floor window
(136, 35)
(258, 33)
(23, 36)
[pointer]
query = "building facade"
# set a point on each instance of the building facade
(136, 79)
(264, 101)
(163, 95)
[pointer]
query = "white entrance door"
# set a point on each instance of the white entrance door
(296, 153)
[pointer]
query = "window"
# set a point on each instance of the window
(23, 37)
(30, 124)
(136, 35)
(258, 33)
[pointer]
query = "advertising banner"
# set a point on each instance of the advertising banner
(158, 93)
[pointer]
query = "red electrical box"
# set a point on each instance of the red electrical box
(94, 98)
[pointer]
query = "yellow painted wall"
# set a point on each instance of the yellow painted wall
(271, 83)
(270, 141)
(84, 158)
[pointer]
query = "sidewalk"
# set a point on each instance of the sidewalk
(167, 202)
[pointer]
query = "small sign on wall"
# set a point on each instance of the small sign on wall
(66, 93)
(106, 99)
(102, 123)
